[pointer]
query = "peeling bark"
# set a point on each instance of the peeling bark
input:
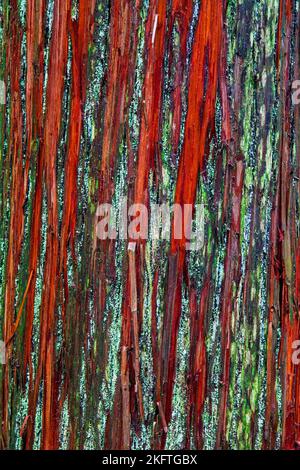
(132, 343)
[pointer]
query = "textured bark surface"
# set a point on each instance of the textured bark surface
(140, 344)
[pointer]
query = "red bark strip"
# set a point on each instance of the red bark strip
(150, 114)
(280, 308)
(148, 145)
(81, 34)
(287, 240)
(46, 364)
(120, 80)
(135, 326)
(198, 131)
(295, 386)
(197, 366)
(17, 198)
(34, 111)
(18, 318)
(180, 19)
